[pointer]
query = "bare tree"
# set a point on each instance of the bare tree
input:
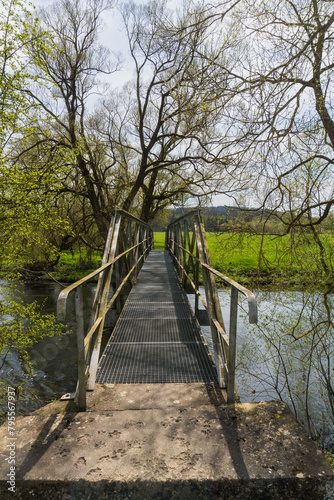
(281, 106)
(165, 123)
(70, 68)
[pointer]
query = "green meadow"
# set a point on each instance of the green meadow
(269, 259)
(290, 260)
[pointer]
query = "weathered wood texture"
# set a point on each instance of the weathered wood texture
(128, 244)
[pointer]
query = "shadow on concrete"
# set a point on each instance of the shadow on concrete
(43, 441)
(224, 489)
(228, 419)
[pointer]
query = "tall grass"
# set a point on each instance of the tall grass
(249, 258)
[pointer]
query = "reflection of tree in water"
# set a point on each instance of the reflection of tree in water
(289, 355)
(36, 352)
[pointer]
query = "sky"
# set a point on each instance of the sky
(113, 36)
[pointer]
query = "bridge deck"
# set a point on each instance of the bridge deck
(157, 338)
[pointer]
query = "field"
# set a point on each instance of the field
(74, 265)
(291, 260)
(159, 241)
(269, 259)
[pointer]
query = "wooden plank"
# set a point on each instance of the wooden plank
(210, 301)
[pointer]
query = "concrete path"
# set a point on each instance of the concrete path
(163, 441)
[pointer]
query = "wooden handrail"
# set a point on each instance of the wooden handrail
(252, 303)
(63, 296)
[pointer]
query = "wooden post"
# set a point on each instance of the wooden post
(106, 258)
(103, 295)
(81, 350)
(179, 251)
(136, 252)
(89, 346)
(224, 347)
(196, 279)
(128, 244)
(185, 264)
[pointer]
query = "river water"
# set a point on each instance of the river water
(269, 366)
(54, 361)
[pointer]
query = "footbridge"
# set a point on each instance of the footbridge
(156, 413)
(157, 338)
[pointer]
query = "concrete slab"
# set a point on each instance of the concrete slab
(107, 397)
(202, 451)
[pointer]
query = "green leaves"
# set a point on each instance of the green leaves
(17, 28)
(26, 195)
(22, 324)
(28, 215)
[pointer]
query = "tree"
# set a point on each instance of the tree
(22, 324)
(156, 142)
(298, 373)
(69, 69)
(17, 28)
(24, 209)
(276, 113)
(164, 124)
(282, 93)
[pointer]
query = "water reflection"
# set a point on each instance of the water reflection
(270, 366)
(54, 359)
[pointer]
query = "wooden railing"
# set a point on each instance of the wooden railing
(128, 244)
(187, 244)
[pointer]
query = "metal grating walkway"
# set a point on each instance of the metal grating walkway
(157, 338)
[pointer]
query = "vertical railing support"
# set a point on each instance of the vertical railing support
(103, 284)
(196, 283)
(209, 287)
(120, 246)
(81, 350)
(232, 345)
(136, 240)
(224, 347)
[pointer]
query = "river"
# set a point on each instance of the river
(269, 366)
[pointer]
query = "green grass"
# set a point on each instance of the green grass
(253, 251)
(73, 266)
(290, 259)
(330, 457)
(159, 241)
(294, 259)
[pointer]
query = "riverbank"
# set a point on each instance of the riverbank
(237, 256)
(47, 353)
(275, 267)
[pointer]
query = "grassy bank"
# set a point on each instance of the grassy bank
(75, 265)
(159, 241)
(252, 260)
(290, 260)
(293, 260)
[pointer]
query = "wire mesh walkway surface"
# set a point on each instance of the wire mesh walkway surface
(157, 338)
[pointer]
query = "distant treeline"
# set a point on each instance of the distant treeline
(222, 218)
